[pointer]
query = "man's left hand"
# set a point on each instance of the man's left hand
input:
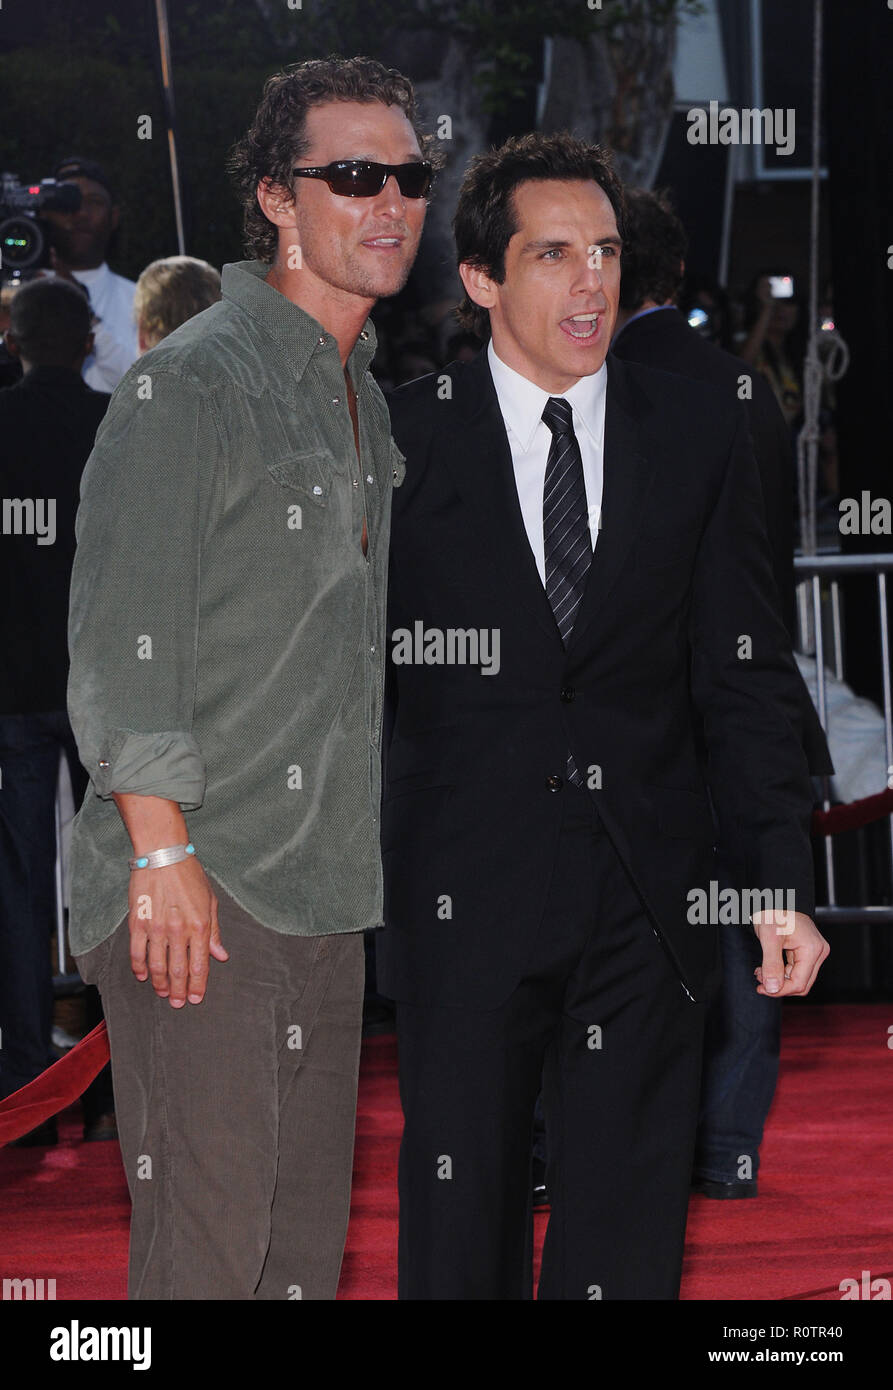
(793, 951)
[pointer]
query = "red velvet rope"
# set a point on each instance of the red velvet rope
(853, 814)
(57, 1087)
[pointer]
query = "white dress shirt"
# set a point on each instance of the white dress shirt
(115, 343)
(522, 404)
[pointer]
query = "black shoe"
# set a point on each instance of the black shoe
(723, 1191)
(103, 1127)
(540, 1191)
(43, 1135)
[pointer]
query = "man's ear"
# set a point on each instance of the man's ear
(114, 218)
(277, 203)
(12, 346)
(478, 285)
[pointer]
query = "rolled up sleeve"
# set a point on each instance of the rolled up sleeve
(134, 613)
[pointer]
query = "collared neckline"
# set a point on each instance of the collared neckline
(522, 402)
(94, 276)
(294, 330)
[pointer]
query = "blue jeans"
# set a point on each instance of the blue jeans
(740, 1066)
(29, 767)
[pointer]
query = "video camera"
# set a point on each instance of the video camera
(25, 237)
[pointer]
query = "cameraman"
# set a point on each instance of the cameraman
(81, 241)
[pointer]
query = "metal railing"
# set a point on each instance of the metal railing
(812, 571)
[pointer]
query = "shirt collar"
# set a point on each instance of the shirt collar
(298, 335)
(522, 402)
(96, 276)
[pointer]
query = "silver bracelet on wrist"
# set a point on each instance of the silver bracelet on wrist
(174, 854)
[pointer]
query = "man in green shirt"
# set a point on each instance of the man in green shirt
(227, 645)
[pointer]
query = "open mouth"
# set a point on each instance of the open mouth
(384, 243)
(583, 327)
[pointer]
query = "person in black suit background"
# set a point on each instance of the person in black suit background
(743, 1035)
(579, 572)
(48, 422)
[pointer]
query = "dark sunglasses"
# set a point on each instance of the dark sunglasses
(360, 178)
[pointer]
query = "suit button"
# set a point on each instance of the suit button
(554, 783)
(568, 694)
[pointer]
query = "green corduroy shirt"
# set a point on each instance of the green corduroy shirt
(226, 632)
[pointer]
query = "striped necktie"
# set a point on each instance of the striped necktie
(566, 535)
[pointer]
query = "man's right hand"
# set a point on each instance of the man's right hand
(174, 930)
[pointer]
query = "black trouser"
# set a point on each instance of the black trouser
(601, 1019)
(742, 1044)
(29, 762)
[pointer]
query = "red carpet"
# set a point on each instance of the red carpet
(825, 1210)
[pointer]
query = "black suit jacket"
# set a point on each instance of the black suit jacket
(678, 625)
(663, 339)
(48, 422)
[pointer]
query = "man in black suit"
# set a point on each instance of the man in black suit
(48, 422)
(546, 828)
(743, 1034)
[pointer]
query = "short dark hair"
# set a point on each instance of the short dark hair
(50, 321)
(277, 135)
(654, 249)
(486, 218)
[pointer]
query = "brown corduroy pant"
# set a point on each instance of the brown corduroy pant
(236, 1116)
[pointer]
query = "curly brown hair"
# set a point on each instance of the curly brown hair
(276, 138)
(485, 219)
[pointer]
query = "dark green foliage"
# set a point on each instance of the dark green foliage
(94, 71)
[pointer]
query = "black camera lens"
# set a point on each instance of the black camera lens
(21, 242)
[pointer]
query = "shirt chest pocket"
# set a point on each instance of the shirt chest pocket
(307, 473)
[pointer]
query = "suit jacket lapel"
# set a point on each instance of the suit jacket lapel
(627, 477)
(478, 454)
